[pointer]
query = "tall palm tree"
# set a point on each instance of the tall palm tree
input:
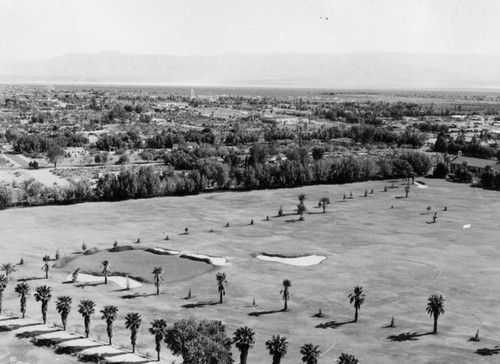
(324, 201)
(221, 285)
(3, 284)
(158, 329)
(286, 292)
(277, 347)
(86, 308)
(133, 322)
(435, 307)
(244, 340)
(347, 359)
(358, 297)
(105, 270)
(43, 294)
(23, 290)
(8, 268)
(157, 272)
(310, 353)
(63, 307)
(46, 266)
(109, 314)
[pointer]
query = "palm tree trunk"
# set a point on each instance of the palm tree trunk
(106, 278)
(435, 325)
(23, 305)
(87, 326)
(221, 300)
(157, 289)
(243, 356)
(158, 352)
(286, 305)
(1, 301)
(276, 359)
(356, 314)
(110, 333)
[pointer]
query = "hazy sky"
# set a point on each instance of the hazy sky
(38, 29)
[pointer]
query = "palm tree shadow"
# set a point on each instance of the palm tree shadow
(260, 313)
(488, 352)
(137, 295)
(200, 304)
(29, 279)
(73, 349)
(15, 327)
(407, 336)
(9, 318)
(31, 334)
(333, 324)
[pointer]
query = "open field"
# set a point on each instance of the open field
(396, 254)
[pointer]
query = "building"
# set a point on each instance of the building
(474, 165)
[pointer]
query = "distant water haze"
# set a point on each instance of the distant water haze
(301, 70)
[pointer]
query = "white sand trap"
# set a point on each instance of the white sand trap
(106, 349)
(166, 251)
(126, 358)
(419, 185)
(63, 335)
(212, 260)
(121, 281)
(466, 226)
(304, 261)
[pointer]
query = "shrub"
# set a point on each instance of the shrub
(84, 246)
(280, 211)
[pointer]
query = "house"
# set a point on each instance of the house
(475, 165)
(74, 151)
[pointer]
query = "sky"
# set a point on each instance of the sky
(42, 29)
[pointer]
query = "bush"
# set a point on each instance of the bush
(84, 246)
(280, 211)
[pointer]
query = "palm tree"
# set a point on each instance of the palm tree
(301, 207)
(244, 339)
(157, 272)
(132, 322)
(324, 201)
(105, 270)
(63, 307)
(277, 347)
(3, 284)
(43, 294)
(23, 290)
(109, 314)
(358, 297)
(86, 308)
(158, 329)
(285, 292)
(310, 353)
(435, 307)
(347, 359)
(221, 283)
(46, 266)
(8, 268)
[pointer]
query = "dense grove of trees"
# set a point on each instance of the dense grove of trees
(40, 143)
(472, 149)
(205, 174)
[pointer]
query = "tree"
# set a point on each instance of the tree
(221, 285)
(347, 359)
(23, 290)
(435, 308)
(86, 308)
(317, 153)
(105, 270)
(133, 322)
(63, 307)
(109, 314)
(301, 207)
(324, 201)
(158, 329)
(310, 353)
(43, 294)
(277, 347)
(358, 297)
(199, 342)
(46, 266)
(8, 268)
(157, 272)
(55, 154)
(285, 292)
(244, 340)
(3, 284)
(407, 191)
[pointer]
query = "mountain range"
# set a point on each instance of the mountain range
(320, 70)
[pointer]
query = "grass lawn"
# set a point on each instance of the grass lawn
(396, 254)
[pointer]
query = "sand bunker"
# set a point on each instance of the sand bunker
(206, 258)
(419, 185)
(304, 261)
(164, 251)
(121, 281)
(466, 226)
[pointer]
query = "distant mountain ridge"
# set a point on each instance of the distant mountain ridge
(350, 70)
